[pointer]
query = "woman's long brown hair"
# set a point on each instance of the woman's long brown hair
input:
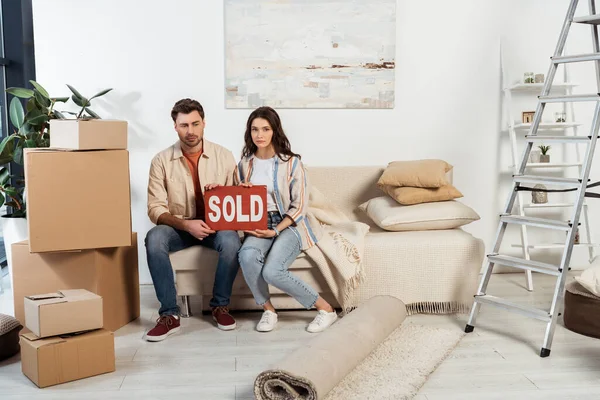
(280, 142)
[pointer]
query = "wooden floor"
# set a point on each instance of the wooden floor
(499, 360)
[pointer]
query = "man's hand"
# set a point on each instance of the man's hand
(260, 233)
(211, 186)
(198, 228)
(246, 185)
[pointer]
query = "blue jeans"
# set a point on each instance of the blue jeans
(163, 239)
(266, 261)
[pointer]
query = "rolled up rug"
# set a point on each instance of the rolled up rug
(310, 372)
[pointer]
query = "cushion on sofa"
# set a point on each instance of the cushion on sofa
(413, 195)
(418, 173)
(9, 336)
(391, 216)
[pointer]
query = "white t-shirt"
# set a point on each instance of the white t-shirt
(263, 174)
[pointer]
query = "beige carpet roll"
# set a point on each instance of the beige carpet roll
(310, 372)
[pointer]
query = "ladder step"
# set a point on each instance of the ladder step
(510, 306)
(534, 221)
(570, 98)
(558, 139)
(550, 180)
(521, 263)
(588, 19)
(576, 58)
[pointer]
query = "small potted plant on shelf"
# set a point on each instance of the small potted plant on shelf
(544, 157)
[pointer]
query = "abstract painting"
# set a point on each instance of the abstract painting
(310, 53)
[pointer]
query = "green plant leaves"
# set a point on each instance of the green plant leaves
(81, 102)
(16, 113)
(40, 119)
(4, 175)
(42, 101)
(58, 114)
(20, 92)
(2, 200)
(40, 89)
(5, 142)
(102, 93)
(92, 114)
(75, 92)
(60, 99)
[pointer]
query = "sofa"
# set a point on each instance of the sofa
(434, 271)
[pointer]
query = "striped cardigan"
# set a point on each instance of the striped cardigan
(291, 194)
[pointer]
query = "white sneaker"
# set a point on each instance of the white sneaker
(322, 321)
(267, 322)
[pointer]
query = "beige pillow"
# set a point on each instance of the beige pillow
(391, 216)
(590, 279)
(420, 173)
(411, 195)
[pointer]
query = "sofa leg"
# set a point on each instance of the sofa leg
(186, 312)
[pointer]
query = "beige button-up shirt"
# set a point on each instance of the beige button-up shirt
(170, 185)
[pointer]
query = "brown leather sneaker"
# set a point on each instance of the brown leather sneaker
(223, 319)
(166, 325)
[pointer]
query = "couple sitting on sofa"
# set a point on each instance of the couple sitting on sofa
(178, 178)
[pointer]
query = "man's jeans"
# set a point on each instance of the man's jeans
(163, 239)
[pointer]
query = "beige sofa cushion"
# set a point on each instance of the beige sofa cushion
(413, 195)
(590, 279)
(391, 216)
(418, 173)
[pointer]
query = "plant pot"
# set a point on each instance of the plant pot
(14, 230)
(534, 156)
(544, 158)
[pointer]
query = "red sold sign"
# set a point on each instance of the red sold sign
(236, 208)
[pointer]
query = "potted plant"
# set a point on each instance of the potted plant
(32, 129)
(544, 157)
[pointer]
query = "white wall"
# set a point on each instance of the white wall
(447, 85)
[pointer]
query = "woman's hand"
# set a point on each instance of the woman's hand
(260, 233)
(246, 185)
(211, 186)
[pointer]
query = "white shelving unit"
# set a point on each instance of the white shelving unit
(518, 129)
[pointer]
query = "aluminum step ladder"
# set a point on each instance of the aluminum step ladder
(523, 182)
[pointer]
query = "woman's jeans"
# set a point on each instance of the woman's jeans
(266, 261)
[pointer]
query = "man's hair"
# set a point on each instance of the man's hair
(186, 106)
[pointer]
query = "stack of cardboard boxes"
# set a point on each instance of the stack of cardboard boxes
(79, 219)
(66, 341)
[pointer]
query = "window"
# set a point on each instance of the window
(17, 66)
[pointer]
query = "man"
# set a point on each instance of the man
(179, 175)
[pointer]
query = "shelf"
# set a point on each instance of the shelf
(549, 205)
(551, 165)
(555, 245)
(537, 87)
(549, 125)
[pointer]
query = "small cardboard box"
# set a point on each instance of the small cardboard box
(61, 359)
(110, 273)
(63, 312)
(77, 199)
(94, 134)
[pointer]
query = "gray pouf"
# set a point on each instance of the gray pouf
(9, 336)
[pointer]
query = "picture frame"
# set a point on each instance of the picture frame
(527, 117)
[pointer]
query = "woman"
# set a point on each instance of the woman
(266, 255)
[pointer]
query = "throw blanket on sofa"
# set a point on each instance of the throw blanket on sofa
(340, 247)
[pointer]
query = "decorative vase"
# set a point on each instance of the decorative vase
(14, 230)
(538, 197)
(534, 156)
(544, 158)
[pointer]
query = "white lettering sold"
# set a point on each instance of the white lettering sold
(232, 209)
(213, 204)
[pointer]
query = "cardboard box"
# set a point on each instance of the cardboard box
(56, 360)
(63, 312)
(110, 273)
(77, 199)
(94, 134)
